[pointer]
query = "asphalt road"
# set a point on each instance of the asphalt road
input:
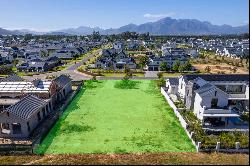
(71, 70)
(77, 76)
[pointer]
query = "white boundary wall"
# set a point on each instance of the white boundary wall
(176, 111)
(184, 125)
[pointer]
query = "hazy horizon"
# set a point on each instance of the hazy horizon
(47, 15)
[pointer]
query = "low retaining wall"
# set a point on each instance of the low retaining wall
(198, 144)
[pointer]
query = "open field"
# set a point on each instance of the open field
(107, 119)
(125, 159)
(227, 69)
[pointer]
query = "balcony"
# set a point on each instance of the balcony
(220, 112)
(238, 97)
(217, 111)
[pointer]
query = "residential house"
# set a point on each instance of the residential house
(25, 104)
(114, 59)
(216, 100)
(20, 119)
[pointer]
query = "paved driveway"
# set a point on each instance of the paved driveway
(151, 74)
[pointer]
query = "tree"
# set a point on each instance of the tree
(163, 66)
(5, 70)
(15, 62)
(208, 69)
(43, 53)
(176, 65)
(141, 48)
(188, 66)
(143, 60)
(159, 74)
(235, 69)
(182, 68)
(161, 82)
(128, 73)
(96, 36)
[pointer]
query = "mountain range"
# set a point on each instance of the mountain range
(165, 26)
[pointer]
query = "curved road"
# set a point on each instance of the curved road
(71, 70)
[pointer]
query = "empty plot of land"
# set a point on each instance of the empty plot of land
(227, 69)
(107, 119)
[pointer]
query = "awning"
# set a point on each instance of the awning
(221, 115)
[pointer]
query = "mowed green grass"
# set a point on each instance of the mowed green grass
(105, 119)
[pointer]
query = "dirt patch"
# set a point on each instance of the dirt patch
(145, 158)
(225, 68)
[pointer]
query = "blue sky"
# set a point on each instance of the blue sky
(44, 15)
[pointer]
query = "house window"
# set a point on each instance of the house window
(5, 128)
(50, 106)
(38, 116)
(43, 111)
(8, 114)
(28, 125)
(215, 93)
(214, 103)
(16, 128)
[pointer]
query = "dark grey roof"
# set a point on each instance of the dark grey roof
(62, 80)
(174, 81)
(218, 77)
(205, 88)
(26, 107)
(12, 78)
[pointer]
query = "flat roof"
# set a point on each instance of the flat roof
(18, 87)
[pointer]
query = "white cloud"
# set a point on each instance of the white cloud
(158, 16)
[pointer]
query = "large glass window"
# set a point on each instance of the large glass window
(38, 116)
(214, 103)
(16, 128)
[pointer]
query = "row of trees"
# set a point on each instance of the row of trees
(128, 35)
(177, 66)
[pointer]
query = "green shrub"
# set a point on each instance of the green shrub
(127, 84)
(161, 82)
(227, 140)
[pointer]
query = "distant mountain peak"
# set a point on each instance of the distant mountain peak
(164, 26)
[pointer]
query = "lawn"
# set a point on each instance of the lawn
(104, 118)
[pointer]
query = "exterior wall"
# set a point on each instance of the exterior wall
(198, 109)
(182, 88)
(189, 96)
(132, 66)
(247, 92)
(172, 89)
(222, 99)
(33, 122)
(203, 102)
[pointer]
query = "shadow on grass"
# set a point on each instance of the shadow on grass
(127, 84)
(63, 126)
(68, 128)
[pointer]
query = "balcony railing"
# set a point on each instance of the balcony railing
(218, 111)
(237, 96)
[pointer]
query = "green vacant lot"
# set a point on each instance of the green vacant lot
(106, 119)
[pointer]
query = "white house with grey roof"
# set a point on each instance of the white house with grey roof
(217, 100)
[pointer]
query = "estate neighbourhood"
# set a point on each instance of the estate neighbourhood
(219, 102)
